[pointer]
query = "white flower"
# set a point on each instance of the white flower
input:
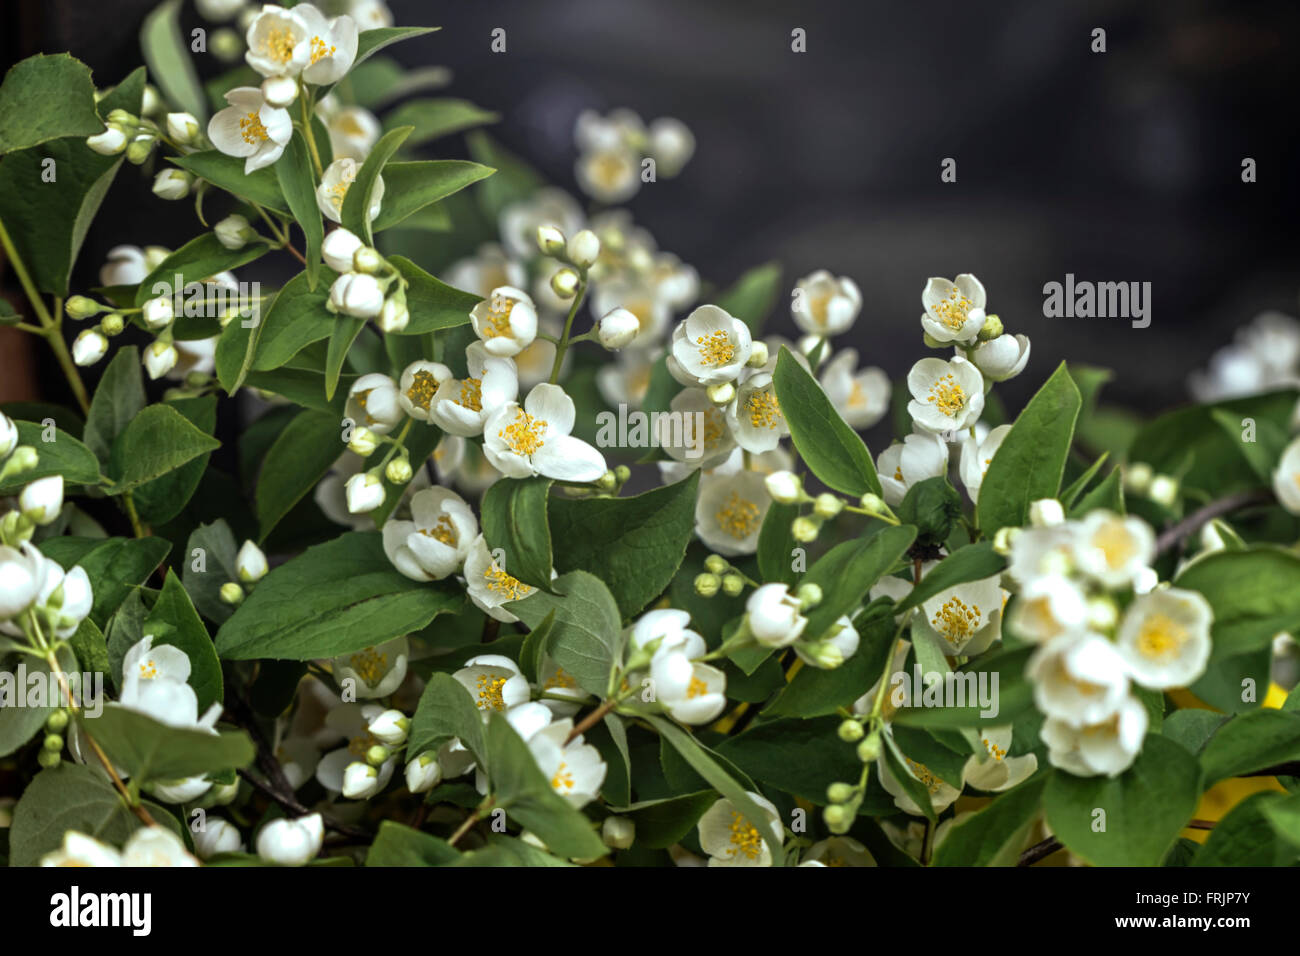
(336, 181)
(535, 439)
(976, 456)
(1036, 552)
(839, 851)
(488, 584)
(172, 184)
(278, 42)
(1107, 747)
(1080, 679)
(339, 248)
(158, 313)
(574, 769)
(546, 207)
(291, 842)
(731, 840)
(489, 268)
(1047, 607)
(1165, 637)
(462, 406)
(918, 456)
(1113, 549)
(784, 487)
(21, 574)
(946, 396)
(730, 512)
(1046, 513)
(434, 543)
(79, 850)
(250, 129)
(965, 619)
(374, 671)
(1002, 358)
(373, 402)
(995, 770)
(954, 310)
(89, 347)
(671, 143)
(774, 617)
(353, 131)
(506, 321)
(709, 347)
(419, 382)
(365, 493)
(217, 836)
(645, 300)
(126, 265)
(611, 176)
(496, 684)
(42, 500)
(691, 691)
(332, 45)
(108, 143)
(423, 773)
(1286, 479)
(861, 397)
(360, 781)
(335, 771)
(754, 415)
(370, 14)
(356, 294)
(824, 305)
(8, 435)
(697, 435)
(617, 328)
(182, 127)
(942, 793)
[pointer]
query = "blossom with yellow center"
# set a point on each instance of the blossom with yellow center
(738, 517)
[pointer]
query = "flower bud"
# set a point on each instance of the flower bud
(377, 754)
(250, 563)
(1101, 613)
(1003, 540)
(390, 727)
(365, 492)
(423, 773)
(622, 473)
(226, 45)
(850, 731)
(112, 324)
(758, 355)
(364, 442)
(159, 359)
(550, 240)
(716, 564)
(232, 593)
(53, 743)
(8, 435)
(182, 128)
(617, 329)
(618, 833)
(823, 654)
(1046, 513)
(836, 817)
(784, 487)
(809, 595)
(583, 249)
(805, 529)
(57, 721)
(217, 836)
(158, 313)
(42, 500)
(139, 150)
(339, 249)
(721, 394)
(357, 294)
(991, 328)
(774, 616)
(279, 91)
(607, 482)
(839, 792)
(79, 307)
(151, 102)
(234, 232)
(869, 749)
(21, 459)
(367, 261)
(291, 842)
(89, 347)
(360, 780)
(108, 143)
(872, 504)
(732, 585)
(49, 760)
(707, 585)
(565, 283)
(398, 471)
(933, 343)
(827, 505)
(172, 184)
(394, 316)
(1137, 477)
(1163, 490)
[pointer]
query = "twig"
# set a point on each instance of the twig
(467, 825)
(591, 720)
(1193, 522)
(292, 803)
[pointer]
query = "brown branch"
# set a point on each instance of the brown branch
(291, 803)
(591, 720)
(469, 822)
(1215, 509)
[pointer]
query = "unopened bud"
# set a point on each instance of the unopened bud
(869, 749)
(550, 240)
(377, 754)
(827, 505)
(398, 471)
(717, 564)
(79, 307)
(732, 585)
(721, 394)
(809, 595)
(232, 593)
(805, 529)
(991, 328)
(707, 585)
(1163, 490)
(583, 249)
(839, 792)
(851, 731)
(565, 283)
(367, 261)
(757, 355)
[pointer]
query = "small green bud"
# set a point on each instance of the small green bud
(809, 595)
(851, 731)
(21, 459)
(991, 328)
(839, 792)
(836, 817)
(565, 283)
(120, 117)
(57, 721)
(872, 503)
(608, 481)
(232, 593)
(732, 585)
(49, 759)
(717, 564)
(53, 743)
(80, 307)
(805, 529)
(869, 749)
(112, 324)
(622, 473)
(707, 585)
(140, 149)
(827, 505)
(398, 471)
(377, 754)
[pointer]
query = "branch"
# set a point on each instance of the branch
(1215, 509)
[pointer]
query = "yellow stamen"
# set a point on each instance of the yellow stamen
(489, 692)
(252, 130)
(423, 385)
(497, 323)
(1160, 636)
(319, 50)
(524, 434)
(764, 410)
(947, 395)
(745, 838)
(369, 665)
(738, 517)
(443, 530)
(956, 620)
(715, 348)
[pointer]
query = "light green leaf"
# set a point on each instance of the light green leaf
(175, 621)
(446, 711)
(162, 499)
(170, 61)
(663, 822)
(432, 118)
(433, 304)
(297, 182)
(359, 198)
(357, 600)
(201, 258)
(399, 845)
(346, 330)
(1255, 594)
(410, 187)
(1247, 836)
(1251, 742)
(514, 521)
(204, 574)
(152, 751)
(115, 566)
(157, 441)
(994, 835)
(118, 399)
(847, 572)
(20, 721)
(227, 172)
(64, 455)
(587, 633)
(296, 319)
(44, 98)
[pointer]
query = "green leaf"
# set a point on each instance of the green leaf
(1251, 742)
(1247, 836)
(1109, 494)
(1192, 728)
(359, 198)
(227, 172)
(994, 835)
(204, 574)
(1071, 494)
(399, 845)
(170, 61)
(998, 678)
(814, 692)
(173, 618)
(410, 187)
(519, 787)
(357, 600)
(118, 399)
(1284, 814)
(974, 562)
(753, 296)
(514, 521)
(201, 258)
(152, 751)
(72, 797)
(800, 757)
(932, 506)
(297, 182)
(1145, 807)
(44, 98)
(432, 118)
(514, 179)
(20, 721)
(157, 441)
(587, 632)
(717, 778)
(635, 544)
(1255, 594)
(115, 566)
(912, 786)
(235, 350)
(346, 330)
(62, 455)
(371, 42)
(661, 823)
(446, 711)
(830, 447)
(296, 319)
(534, 647)
(1031, 460)
(847, 572)
(776, 544)
(162, 499)
(300, 457)
(433, 304)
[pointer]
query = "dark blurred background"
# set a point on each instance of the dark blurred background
(1116, 166)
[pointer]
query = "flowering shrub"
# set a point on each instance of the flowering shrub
(408, 612)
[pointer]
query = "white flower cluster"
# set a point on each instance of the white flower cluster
(619, 151)
(1264, 357)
